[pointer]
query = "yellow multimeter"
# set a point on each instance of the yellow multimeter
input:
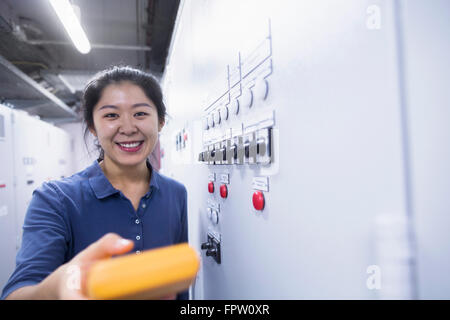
(151, 274)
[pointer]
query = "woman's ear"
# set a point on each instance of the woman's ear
(161, 125)
(92, 130)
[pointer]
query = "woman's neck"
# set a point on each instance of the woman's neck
(124, 176)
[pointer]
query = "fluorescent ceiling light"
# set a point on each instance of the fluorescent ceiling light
(68, 18)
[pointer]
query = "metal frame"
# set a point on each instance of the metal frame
(33, 85)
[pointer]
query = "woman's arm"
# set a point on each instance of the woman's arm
(69, 280)
(25, 293)
(42, 291)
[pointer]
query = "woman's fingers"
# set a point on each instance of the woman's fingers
(107, 246)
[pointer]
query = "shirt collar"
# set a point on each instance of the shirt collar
(103, 188)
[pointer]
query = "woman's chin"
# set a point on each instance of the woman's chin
(129, 160)
(132, 162)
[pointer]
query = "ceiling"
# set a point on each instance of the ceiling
(35, 49)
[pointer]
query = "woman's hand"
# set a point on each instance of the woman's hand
(69, 280)
(74, 273)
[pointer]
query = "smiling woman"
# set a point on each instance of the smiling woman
(132, 84)
(125, 124)
(128, 129)
(69, 222)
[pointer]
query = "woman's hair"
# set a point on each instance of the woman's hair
(115, 75)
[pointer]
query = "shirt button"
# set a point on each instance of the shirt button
(138, 238)
(143, 206)
(137, 221)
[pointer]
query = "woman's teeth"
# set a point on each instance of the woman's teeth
(130, 145)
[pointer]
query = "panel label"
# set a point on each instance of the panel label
(261, 183)
(225, 178)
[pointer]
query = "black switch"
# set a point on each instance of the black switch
(212, 247)
(224, 154)
(247, 149)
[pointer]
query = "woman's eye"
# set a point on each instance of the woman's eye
(139, 114)
(111, 115)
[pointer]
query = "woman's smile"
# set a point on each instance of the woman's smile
(130, 146)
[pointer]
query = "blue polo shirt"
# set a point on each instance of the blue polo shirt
(66, 216)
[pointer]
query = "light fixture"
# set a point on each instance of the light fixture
(68, 18)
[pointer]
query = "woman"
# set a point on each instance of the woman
(73, 222)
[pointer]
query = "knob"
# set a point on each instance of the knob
(211, 120)
(261, 89)
(247, 98)
(215, 217)
(217, 117)
(235, 107)
(224, 113)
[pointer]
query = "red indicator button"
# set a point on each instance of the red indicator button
(211, 187)
(223, 191)
(258, 200)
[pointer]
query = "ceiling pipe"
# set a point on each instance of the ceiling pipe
(93, 45)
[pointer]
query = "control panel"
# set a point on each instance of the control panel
(237, 135)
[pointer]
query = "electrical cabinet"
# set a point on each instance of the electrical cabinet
(41, 153)
(299, 168)
(33, 152)
(7, 204)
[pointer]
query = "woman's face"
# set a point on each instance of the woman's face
(126, 124)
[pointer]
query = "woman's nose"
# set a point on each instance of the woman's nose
(127, 125)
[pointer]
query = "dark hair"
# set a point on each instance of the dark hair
(115, 75)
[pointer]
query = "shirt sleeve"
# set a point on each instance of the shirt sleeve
(44, 242)
(184, 237)
(184, 220)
